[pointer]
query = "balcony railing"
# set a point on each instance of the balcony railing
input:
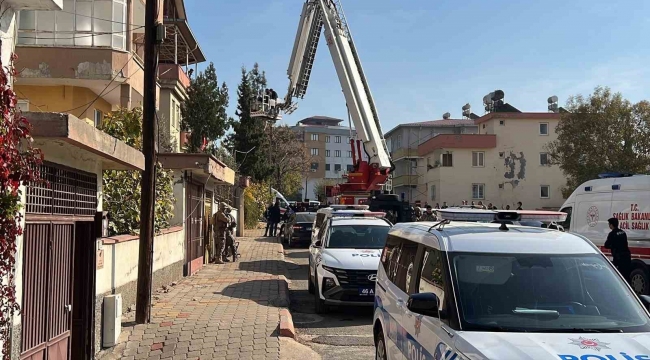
(173, 72)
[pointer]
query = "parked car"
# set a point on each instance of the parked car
(297, 229)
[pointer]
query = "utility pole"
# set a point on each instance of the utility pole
(145, 258)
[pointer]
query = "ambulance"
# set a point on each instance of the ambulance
(621, 196)
(465, 288)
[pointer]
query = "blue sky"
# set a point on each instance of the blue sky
(427, 57)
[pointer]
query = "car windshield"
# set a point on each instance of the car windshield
(544, 293)
(357, 237)
(305, 217)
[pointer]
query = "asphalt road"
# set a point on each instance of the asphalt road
(342, 334)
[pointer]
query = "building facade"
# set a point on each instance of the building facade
(504, 163)
(403, 142)
(328, 144)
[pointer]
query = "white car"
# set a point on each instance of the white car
(343, 260)
(478, 290)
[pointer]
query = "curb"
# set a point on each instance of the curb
(286, 324)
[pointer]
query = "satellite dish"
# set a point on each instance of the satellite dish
(466, 107)
(498, 95)
(446, 115)
(552, 99)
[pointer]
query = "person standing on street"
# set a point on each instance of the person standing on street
(428, 215)
(230, 237)
(617, 244)
(275, 215)
(221, 222)
(267, 216)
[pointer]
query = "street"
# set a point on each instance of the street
(340, 334)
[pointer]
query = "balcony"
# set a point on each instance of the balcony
(400, 153)
(405, 180)
(173, 72)
(35, 4)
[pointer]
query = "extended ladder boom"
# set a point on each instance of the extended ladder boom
(317, 14)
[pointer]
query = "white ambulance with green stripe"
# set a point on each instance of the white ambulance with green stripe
(467, 288)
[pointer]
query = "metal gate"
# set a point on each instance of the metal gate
(47, 291)
(194, 227)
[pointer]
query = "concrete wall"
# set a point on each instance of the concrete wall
(517, 176)
(178, 218)
(61, 98)
(120, 272)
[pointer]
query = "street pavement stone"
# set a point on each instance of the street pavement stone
(228, 311)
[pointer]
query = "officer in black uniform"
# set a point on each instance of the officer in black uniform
(617, 244)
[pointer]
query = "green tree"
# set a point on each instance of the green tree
(223, 154)
(600, 133)
(289, 161)
(249, 138)
(319, 187)
(204, 110)
(122, 188)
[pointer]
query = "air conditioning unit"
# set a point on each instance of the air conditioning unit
(112, 320)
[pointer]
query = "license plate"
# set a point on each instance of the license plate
(308, 229)
(366, 291)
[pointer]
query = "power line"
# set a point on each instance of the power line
(110, 82)
(95, 18)
(74, 36)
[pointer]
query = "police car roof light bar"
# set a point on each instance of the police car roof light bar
(501, 216)
(349, 207)
(351, 214)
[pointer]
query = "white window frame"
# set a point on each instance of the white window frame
(548, 159)
(399, 141)
(327, 153)
(337, 139)
(480, 155)
(480, 195)
(349, 153)
(337, 153)
(327, 138)
(314, 151)
(23, 105)
(547, 129)
(548, 191)
(97, 120)
(314, 137)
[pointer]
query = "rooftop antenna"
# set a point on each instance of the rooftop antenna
(552, 104)
(446, 115)
(467, 110)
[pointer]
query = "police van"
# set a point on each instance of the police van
(467, 288)
(626, 198)
(344, 256)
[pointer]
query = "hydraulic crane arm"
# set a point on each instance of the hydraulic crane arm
(328, 14)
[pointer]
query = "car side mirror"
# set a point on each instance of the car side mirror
(645, 299)
(318, 243)
(426, 304)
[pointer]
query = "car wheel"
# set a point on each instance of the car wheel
(319, 304)
(380, 347)
(639, 281)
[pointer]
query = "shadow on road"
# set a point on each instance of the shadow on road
(272, 267)
(263, 292)
(298, 254)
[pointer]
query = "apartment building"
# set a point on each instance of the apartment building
(329, 148)
(403, 142)
(503, 163)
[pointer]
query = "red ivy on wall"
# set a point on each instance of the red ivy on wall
(18, 166)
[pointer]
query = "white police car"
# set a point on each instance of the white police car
(344, 257)
(478, 290)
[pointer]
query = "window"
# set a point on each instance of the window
(447, 160)
(98, 117)
(432, 192)
(337, 153)
(543, 159)
(337, 167)
(349, 154)
(502, 123)
(543, 128)
(502, 155)
(567, 224)
(327, 138)
(545, 191)
(350, 168)
(327, 153)
(398, 143)
(357, 237)
(478, 159)
(500, 186)
(390, 256)
(432, 276)
(398, 259)
(314, 137)
(314, 152)
(80, 23)
(337, 139)
(478, 191)
(23, 105)
(314, 166)
(327, 167)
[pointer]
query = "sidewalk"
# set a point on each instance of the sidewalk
(226, 311)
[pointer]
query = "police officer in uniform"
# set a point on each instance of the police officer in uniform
(221, 222)
(428, 215)
(617, 244)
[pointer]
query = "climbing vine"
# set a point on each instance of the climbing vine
(18, 167)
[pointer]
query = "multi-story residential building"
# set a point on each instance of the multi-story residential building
(328, 144)
(403, 142)
(504, 163)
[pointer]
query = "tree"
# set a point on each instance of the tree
(222, 153)
(249, 139)
(319, 187)
(19, 164)
(204, 110)
(601, 133)
(289, 161)
(122, 188)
